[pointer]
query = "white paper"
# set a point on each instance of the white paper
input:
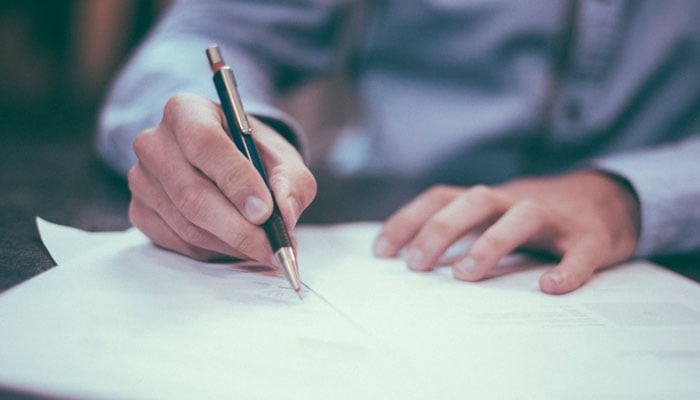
(631, 332)
(129, 320)
(65, 243)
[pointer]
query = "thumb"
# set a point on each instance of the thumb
(576, 267)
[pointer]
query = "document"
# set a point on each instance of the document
(126, 319)
(632, 332)
(121, 318)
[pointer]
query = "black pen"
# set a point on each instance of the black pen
(241, 133)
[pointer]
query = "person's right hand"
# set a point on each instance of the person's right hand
(193, 191)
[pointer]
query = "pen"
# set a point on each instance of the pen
(241, 133)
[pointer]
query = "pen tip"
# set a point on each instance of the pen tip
(286, 260)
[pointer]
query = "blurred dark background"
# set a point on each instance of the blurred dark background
(56, 60)
(58, 56)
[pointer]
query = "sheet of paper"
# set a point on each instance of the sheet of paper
(633, 332)
(126, 319)
(129, 320)
(65, 243)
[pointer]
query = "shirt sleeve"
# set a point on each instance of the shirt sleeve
(271, 46)
(667, 183)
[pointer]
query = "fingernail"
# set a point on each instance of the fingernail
(382, 247)
(466, 266)
(414, 258)
(255, 209)
(556, 277)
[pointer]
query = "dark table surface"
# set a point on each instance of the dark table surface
(49, 169)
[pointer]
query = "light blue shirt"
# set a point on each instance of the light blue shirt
(459, 91)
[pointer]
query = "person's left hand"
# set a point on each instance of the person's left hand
(589, 219)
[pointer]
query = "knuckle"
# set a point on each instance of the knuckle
(241, 242)
(234, 180)
(134, 214)
(185, 113)
(486, 196)
(531, 208)
(482, 192)
(438, 227)
(302, 184)
(193, 235)
(200, 145)
(159, 203)
(191, 202)
(491, 243)
(308, 182)
(133, 178)
(137, 214)
(439, 191)
(279, 181)
(175, 104)
(143, 144)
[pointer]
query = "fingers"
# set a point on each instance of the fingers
(580, 216)
(193, 190)
(191, 196)
(518, 226)
(210, 149)
(401, 227)
(207, 146)
(153, 226)
(195, 196)
(148, 199)
(427, 226)
(465, 213)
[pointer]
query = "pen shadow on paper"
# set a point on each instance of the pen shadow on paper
(159, 274)
(252, 267)
(225, 266)
(161, 262)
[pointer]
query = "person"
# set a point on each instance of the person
(568, 128)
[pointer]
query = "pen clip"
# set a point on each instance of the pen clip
(228, 88)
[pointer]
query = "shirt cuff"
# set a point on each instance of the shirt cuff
(665, 182)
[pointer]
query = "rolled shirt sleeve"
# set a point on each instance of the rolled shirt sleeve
(667, 182)
(270, 48)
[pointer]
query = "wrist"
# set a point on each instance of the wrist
(623, 196)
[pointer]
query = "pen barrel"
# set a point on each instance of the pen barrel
(274, 227)
(251, 151)
(241, 132)
(276, 231)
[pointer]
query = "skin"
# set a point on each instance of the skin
(194, 193)
(587, 219)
